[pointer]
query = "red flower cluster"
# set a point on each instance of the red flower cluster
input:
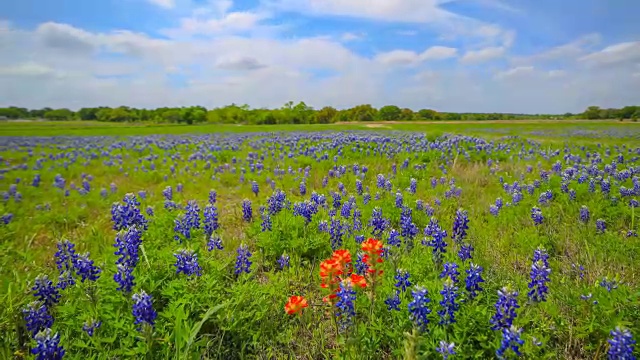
(373, 255)
(336, 269)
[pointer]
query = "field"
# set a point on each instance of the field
(409, 241)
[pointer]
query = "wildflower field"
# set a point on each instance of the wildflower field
(453, 242)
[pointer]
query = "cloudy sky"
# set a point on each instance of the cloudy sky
(533, 56)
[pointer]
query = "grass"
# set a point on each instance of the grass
(221, 315)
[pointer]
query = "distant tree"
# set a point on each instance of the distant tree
(406, 114)
(363, 112)
(326, 115)
(88, 113)
(10, 113)
(426, 114)
(59, 114)
(592, 113)
(389, 113)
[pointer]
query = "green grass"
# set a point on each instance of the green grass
(223, 316)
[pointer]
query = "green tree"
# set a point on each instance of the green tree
(592, 113)
(59, 114)
(389, 113)
(326, 115)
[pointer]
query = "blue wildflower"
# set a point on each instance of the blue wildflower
(91, 326)
(45, 291)
(473, 280)
(449, 306)
(505, 309)
(446, 349)
(419, 307)
(243, 262)
(402, 278)
(37, 317)
(393, 302)
(621, 344)
(143, 310)
(187, 263)
(510, 340)
(48, 346)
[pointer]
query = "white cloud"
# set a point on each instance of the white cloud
(239, 63)
(569, 51)
(438, 53)
(26, 69)
(628, 52)
(167, 4)
(349, 36)
(407, 57)
(515, 72)
(482, 55)
(556, 73)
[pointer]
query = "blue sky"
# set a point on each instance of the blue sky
(450, 55)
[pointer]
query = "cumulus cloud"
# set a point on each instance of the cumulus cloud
(239, 63)
(482, 55)
(406, 57)
(627, 52)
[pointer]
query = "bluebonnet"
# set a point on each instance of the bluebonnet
(357, 219)
(192, 215)
(633, 203)
(419, 205)
(149, 210)
(536, 216)
(210, 219)
(91, 326)
(460, 226)
(601, 226)
(408, 229)
(127, 214)
(85, 269)
(505, 309)
(631, 233)
(434, 182)
(187, 263)
(36, 180)
(345, 211)
(336, 231)
(48, 346)
(143, 310)
(539, 278)
(215, 242)
(621, 344)
(59, 181)
(360, 266)
(448, 303)
(399, 201)
(473, 280)
(450, 270)
(393, 302)
(255, 188)
(572, 194)
(65, 260)
(179, 187)
(608, 284)
(446, 349)
(366, 198)
(584, 214)
(128, 246)
(359, 239)
(103, 192)
(394, 238)
(37, 317)
(437, 242)
(465, 252)
(266, 224)
(419, 307)
(413, 184)
(283, 261)
(323, 226)
(45, 291)
(377, 222)
(346, 305)
(306, 209)
(510, 340)
(181, 227)
(124, 277)
(494, 210)
(142, 194)
(276, 202)
(516, 197)
(402, 280)
(168, 193)
(243, 262)
(358, 187)
(247, 211)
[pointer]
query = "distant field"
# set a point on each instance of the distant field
(540, 130)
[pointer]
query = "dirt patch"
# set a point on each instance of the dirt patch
(377, 126)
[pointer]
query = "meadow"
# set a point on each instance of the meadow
(351, 241)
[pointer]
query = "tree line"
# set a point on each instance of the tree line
(290, 113)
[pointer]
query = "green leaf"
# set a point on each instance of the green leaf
(196, 328)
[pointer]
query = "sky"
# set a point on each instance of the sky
(518, 56)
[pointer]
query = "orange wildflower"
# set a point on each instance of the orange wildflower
(343, 256)
(358, 280)
(295, 305)
(373, 254)
(330, 269)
